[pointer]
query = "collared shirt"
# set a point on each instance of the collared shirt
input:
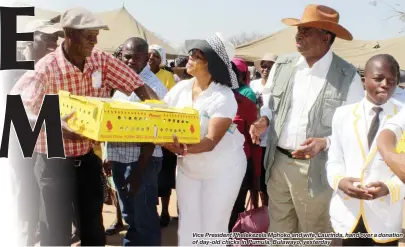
(308, 83)
(124, 152)
(369, 114)
(54, 72)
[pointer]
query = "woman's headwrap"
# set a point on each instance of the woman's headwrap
(161, 52)
(242, 67)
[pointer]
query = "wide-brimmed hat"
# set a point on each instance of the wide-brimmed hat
(267, 57)
(323, 17)
(219, 52)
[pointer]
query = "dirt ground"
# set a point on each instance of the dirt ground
(169, 234)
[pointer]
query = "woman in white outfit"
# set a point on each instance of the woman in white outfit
(209, 174)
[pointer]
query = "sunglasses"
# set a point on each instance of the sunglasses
(196, 54)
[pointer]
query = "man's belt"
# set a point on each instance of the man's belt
(285, 152)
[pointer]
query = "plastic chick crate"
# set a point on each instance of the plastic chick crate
(109, 120)
(401, 144)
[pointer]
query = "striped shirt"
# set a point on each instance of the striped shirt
(54, 72)
(129, 152)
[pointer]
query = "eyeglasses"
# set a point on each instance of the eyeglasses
(196, 54)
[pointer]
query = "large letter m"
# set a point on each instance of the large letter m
(28, 136)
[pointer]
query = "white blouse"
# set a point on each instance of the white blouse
(216, 101)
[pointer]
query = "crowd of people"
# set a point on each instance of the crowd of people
(310, 139)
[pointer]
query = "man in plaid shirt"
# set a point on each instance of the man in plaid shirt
(77, 67)
(139, 211)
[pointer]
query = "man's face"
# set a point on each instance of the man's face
(84, 41)
(154, 59)
(265, 67)
(380, 81)
(44, 44)
(134, 59)
(310, 41)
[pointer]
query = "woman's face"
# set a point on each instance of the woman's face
(154, 59)
(196, 63)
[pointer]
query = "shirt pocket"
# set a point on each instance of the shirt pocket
(275, 99)
(329, 108)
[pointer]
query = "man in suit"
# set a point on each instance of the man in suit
(368, 197)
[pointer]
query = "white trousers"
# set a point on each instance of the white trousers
(205, 205)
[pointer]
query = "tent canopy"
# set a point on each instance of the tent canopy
(122, 26)
(357, 52)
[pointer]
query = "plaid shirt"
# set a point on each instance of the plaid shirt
(129, 152)
(54, 72)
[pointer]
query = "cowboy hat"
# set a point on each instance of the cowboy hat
(323, 17)
(267, 57)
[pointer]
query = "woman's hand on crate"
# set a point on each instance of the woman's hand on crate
(69, 133)
(174, 147)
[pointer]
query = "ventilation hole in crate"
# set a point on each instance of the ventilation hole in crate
(119, 117)
(121, 128)
(146, 118)
(126, 128)
(129, 118)
(175, 131)
(137, 128)
(169, 120)
(147, 128)
(167, 129)
(132, 129)
(161, 129)
(186, 122)
(171, 130)
(182, 121)
(143, 129)
(178, 121)
(164, 120)
(125, 118)
(89, 112)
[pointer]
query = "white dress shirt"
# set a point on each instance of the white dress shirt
(308, 83)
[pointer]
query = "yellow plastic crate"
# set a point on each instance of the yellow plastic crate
(110, 120)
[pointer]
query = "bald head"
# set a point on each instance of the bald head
(136, 44)
(382, 58)
(135, 53)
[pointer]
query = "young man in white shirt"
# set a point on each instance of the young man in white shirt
(366, 196)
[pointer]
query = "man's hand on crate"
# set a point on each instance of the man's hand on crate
(69, 133)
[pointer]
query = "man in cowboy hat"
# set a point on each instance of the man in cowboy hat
(300, 98)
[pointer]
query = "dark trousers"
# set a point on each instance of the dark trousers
(364, 241)
(27, 197)
(139, 211)
(240, 202)
(65, 183)
(263, 186)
